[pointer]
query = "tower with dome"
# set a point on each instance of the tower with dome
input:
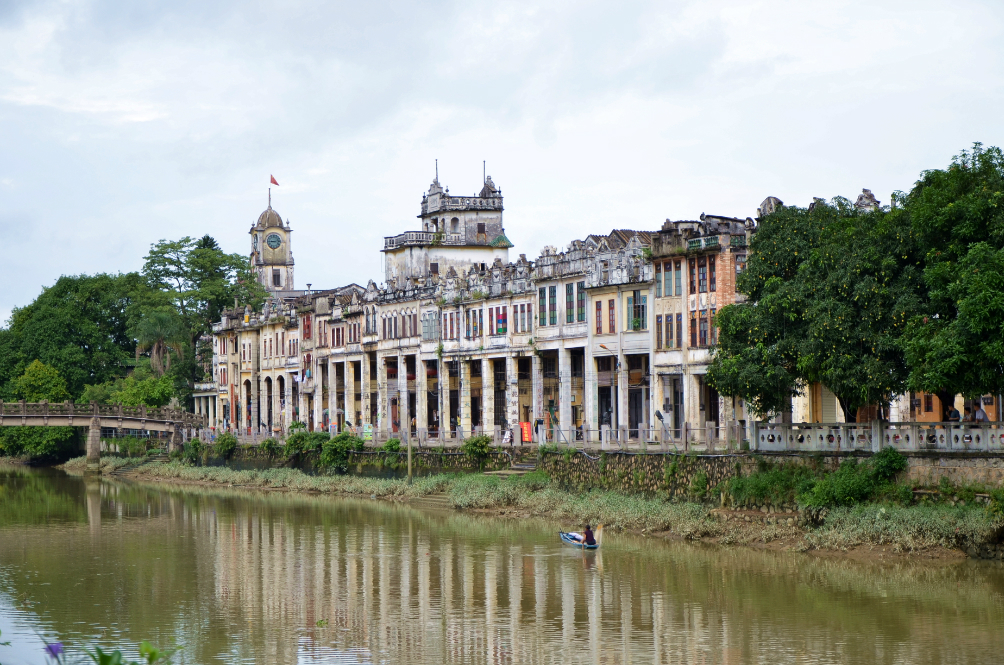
(271, 254)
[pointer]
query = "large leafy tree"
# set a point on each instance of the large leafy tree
(78, 326)
(829, 290)
(199, 280)
(38, 382)
(956, 345)
(189, 283)
(861, 285)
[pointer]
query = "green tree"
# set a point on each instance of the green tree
(39, 382)
(160, 333)
(757, 356)
(956, 345)
(830, 290)
(78, 326)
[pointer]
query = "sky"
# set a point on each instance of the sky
(122, 123)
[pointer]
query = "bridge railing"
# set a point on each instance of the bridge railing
(68, 408)
(906, 436)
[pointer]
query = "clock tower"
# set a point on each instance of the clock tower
(271, 255)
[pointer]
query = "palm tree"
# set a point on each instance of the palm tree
(160, 333)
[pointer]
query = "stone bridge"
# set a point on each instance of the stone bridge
(94, 416)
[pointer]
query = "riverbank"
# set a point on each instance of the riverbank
(869, 530)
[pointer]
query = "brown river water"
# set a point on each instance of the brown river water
(240, 577)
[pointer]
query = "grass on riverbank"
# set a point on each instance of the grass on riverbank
(78, 465)
(905, 528)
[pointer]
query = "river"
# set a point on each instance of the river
(240, 577)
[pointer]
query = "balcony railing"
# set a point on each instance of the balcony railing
(421, 238)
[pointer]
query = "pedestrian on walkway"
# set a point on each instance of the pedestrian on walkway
(980, 416)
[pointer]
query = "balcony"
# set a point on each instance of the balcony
(419, 238)
(737, 241)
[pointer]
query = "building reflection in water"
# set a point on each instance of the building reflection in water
(245, 578)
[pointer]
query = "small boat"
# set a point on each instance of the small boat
(573, 539)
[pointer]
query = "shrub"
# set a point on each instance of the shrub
(132, 446)
(269, 447)
(771, 483)
(886, 463)
(477, 447)
(392, 446)
(699, 485)
(226, 444)
(335, 452)
(192, 451)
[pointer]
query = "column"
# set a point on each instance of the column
(213, 406)
(94, 444)
(364, 390)
(565, 395)
(402, 397)
(350, 393)
(589, 392)
(488, 396)
(421, 394)
(465, 397)
(622, 391)
(537, 383)
(512, 393)
(332, 403)
(444, 399)
(254, 402)
(383, 396)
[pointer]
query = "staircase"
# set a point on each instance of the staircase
(516, 469)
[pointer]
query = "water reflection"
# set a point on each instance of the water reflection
(281, 579)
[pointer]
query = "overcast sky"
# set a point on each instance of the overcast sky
(125, 122)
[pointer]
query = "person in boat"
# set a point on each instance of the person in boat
(586, 537)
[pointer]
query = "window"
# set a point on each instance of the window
(553, 305)
(693, 276)
(693, 330)
(658, 280)
(669, 331)
(711, 270)
(599, 317)
(491, 320)
(714, 330)
(306, 326)
(503, 320)
(481, 228)
(740, 267)
(612, 323)
(636, 311)
(703, 329)
(434, 268)
(658, 331)
(542, 303)
(581, 286)
(928, 403)
(454, 225)
(678, 274)
(702, 274)
(569, 303)
(276, 277)
(679, 331)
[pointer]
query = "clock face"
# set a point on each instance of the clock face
(273, 240)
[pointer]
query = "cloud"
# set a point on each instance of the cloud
(126, 123)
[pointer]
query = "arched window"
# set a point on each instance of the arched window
(454, 225)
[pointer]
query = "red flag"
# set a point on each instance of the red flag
(273, 180)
